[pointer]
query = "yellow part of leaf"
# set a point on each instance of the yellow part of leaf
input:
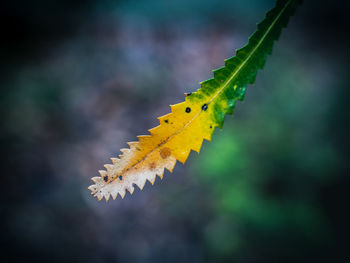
(179, 132)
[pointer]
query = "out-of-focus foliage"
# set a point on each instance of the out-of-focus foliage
(272, 186)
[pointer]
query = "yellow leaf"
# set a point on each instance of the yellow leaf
(179, 132)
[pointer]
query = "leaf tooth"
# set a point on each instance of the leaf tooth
(109, 167)
(208, 85)
(161, 174)
(197, 145)
(134, 145)
(107, 196)
(125, 150)
(164, 117)
(205, 82)
(122, 193)
(221, 74)
(115, 160)
(114, 195)
(99, 196)
(170, 165)
(208, 136)
(143, 138)
(103, 173)
(152, 178)
(96, 179)
(177, 107)
(130, 189)
(154, 130)
(141, 184)
(93, 189)
(182, 158)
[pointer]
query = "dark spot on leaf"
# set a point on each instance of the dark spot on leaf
(188, 94)
(205, 107)
(166, 121)
(120, 178)
(211, 126)
(220, 80)
(105, 178)
(188, 109)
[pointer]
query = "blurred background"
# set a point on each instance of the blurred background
(81, 78)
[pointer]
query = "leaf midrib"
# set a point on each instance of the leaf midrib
(227, 82)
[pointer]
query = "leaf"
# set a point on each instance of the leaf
(195, 119)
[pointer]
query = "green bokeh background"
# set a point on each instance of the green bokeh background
(81, 79)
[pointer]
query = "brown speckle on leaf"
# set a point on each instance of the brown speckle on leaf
(165, 153)
(152, 165)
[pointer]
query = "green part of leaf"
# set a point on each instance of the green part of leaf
(229, 82)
